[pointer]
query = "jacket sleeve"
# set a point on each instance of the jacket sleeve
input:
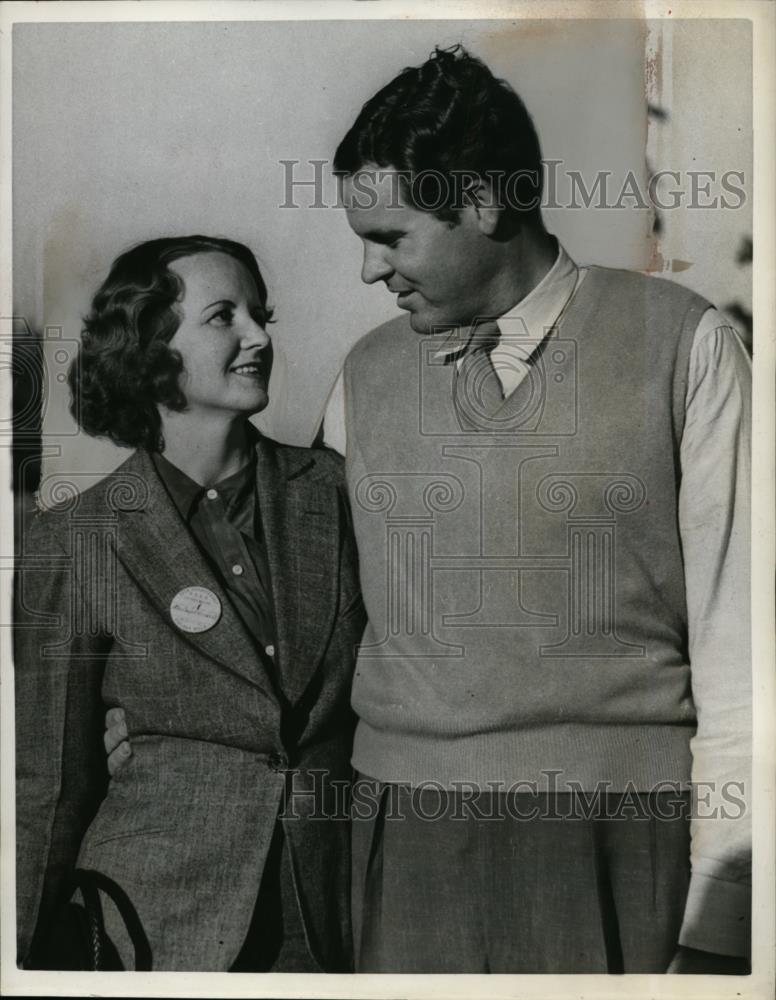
(61, 771)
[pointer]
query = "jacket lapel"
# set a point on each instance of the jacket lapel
(300, 517)
(162, 557)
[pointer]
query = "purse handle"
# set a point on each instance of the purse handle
(91, 883)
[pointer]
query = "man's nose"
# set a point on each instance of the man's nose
(375, 266)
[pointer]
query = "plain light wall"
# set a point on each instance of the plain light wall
(125, 132)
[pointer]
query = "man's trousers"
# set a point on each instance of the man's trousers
(529, 883)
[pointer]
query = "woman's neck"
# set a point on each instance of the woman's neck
(206, 450)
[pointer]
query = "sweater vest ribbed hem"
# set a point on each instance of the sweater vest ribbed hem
(564, 757)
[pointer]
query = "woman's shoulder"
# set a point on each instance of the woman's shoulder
(63, 496)
(319, 462)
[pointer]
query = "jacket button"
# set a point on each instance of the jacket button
(277, 761)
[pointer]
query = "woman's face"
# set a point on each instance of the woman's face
(221, 338)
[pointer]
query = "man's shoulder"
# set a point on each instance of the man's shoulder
(387, 340)
(647, 284)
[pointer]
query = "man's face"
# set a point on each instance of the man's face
(439, 272)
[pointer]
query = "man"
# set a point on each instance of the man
(548, 471)
(548, 468)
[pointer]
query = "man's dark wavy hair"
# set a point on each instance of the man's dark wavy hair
(449, 115)
(124, 369)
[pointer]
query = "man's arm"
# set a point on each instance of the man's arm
(714, 527)
(333, 426)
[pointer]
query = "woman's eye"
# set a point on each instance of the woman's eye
(222, 318)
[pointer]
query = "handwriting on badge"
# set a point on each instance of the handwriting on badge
(195, 609)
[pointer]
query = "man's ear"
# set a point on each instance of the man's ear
(481, 198)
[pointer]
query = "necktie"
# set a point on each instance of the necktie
(477, 391)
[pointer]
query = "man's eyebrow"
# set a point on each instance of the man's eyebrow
(382, 235)
(218, 302)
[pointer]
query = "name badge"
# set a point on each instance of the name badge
(195, 609)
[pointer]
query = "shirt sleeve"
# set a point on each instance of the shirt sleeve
(334, 434)
(714, 524)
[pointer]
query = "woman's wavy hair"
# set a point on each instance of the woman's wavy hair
(451, 116)
(125, 369)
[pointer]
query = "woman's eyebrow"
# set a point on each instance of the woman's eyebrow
(218, 302)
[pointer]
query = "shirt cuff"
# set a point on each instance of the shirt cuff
(717, 916)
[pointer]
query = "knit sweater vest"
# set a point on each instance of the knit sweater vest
(522, 569)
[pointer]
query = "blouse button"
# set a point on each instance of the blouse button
(212, 494)
(237, 569)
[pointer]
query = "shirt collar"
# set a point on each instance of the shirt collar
(535, 313)
(186, 492)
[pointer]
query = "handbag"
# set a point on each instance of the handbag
(76, 939)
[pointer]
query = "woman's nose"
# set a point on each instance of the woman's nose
(254, 334)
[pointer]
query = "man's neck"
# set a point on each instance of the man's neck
(208, 451)
(528, 257)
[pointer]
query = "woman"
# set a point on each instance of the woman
(208, 588)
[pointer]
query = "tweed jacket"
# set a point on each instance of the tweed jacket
(220, 746)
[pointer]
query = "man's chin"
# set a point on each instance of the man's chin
(425, 328)
(424, 324)
(417, 323)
